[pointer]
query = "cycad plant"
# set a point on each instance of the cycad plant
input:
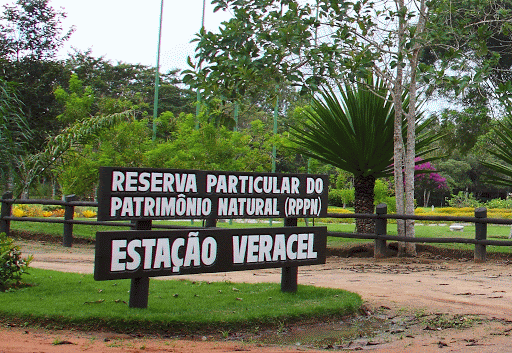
(352, 129)
(502, 150)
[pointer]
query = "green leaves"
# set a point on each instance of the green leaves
(75, 135)
(213, 147)
(264, 44)
(351, 127)
(32, 29)
(12, 265)
(14, 131)
(354, 133)
(502, 150)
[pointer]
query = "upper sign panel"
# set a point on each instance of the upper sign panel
(142, 193)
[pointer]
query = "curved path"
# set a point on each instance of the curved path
(394, 289)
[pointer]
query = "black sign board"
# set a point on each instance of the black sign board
(138, 254)
(142, 193)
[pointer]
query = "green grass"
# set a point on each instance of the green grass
(67, 299)
(495, 232)
(89, 231)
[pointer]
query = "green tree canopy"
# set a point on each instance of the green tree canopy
(31, 29)
(14, 131)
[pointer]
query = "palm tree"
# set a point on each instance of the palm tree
(355, 133)
(502, 150)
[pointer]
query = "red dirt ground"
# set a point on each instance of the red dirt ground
(428, 304)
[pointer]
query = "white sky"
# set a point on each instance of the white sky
(127, 30)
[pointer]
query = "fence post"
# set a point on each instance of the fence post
(289, 274)
(210, 222)
(69, 212)
(480, 234)
(380, 250)
(5, 224)
(139, 287)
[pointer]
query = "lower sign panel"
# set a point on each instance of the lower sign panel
(134, 254)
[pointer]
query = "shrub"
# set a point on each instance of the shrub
(334, 198)
(341, 197)
(499, 203)
(463, 199)
(390, 201)
(12, 265)
(381, 192)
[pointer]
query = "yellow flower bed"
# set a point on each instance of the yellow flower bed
(504, 213)
(338, 210)
(18, 212)
(58, 213)
(89, 214)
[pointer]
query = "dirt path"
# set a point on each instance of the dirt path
(415, 298)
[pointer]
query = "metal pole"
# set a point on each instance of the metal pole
(198, 104)
(236, 115)
(157, 72)
(274, 150)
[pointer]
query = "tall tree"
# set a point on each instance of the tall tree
(303, 43)
(30, 36)
(31, 29)
(14, 131)
(133, 82)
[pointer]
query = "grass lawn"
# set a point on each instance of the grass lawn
(494, 232)
(60, 300)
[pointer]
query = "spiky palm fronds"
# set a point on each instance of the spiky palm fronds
(502, 150)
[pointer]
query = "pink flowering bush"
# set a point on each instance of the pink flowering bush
(427, 180)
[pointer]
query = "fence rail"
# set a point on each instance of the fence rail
(380, 237)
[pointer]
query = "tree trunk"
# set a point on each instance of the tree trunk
(426, 197)
(398, 154)
(363, 203)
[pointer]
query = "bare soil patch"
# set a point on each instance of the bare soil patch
(438, 301)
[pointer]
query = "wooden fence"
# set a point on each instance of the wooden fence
(380, 237)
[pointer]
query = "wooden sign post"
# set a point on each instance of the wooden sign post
(142, 195)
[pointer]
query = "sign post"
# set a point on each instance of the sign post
(139, 286)
(289, 274)
(142, 195)
(153, 253)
